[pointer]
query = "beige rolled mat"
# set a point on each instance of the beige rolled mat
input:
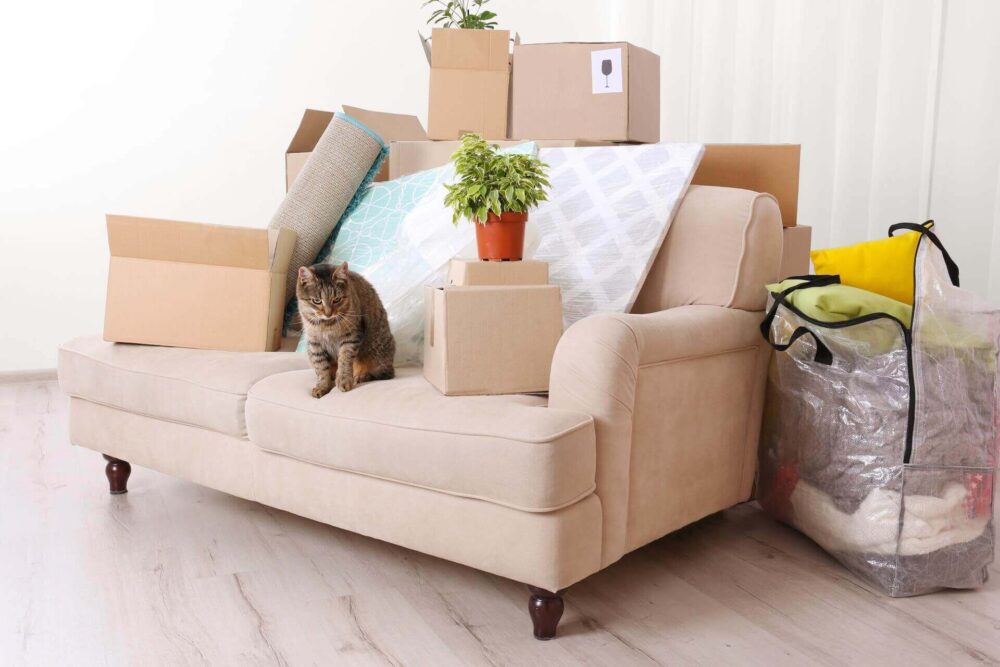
(342, 164)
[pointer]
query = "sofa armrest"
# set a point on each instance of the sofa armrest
(596, 370)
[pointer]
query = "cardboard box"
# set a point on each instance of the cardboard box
(772, 168)
(796, 243)
(409, 157)
(472, 272)
(390, 126)
(491, 340)
(470, 78)
(186, 284)
(606, 91)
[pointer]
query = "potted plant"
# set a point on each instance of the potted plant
(466, 14)
(495, 191)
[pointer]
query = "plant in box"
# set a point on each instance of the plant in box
(466, 14)
(495, 191)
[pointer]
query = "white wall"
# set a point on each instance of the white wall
(184, 109)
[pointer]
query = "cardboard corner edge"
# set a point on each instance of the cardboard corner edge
(283, 247)
(434, 363)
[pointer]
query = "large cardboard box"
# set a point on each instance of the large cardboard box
(491, 340)
(472, 272)
(409, 157)
(186, 284)
(606, 91)
(391, 127)
(772, 168)
(796, 243)
(470, 78)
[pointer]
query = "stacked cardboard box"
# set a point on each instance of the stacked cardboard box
(603, 91)
(493, 329)
(470, 77)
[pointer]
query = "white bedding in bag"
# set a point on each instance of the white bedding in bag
(608, 212)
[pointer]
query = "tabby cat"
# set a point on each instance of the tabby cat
(346, 328)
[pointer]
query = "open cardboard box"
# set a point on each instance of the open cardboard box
(392, 127)
(469, 83)
(186, 284)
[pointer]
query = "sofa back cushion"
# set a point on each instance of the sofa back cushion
(723, 247)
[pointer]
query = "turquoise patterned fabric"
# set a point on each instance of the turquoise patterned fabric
(369, 231)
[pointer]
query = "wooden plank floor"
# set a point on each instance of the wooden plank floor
(175, 574)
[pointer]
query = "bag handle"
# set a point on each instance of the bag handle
(823, 354)
(925, 229)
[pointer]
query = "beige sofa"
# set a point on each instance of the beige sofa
(651, 423)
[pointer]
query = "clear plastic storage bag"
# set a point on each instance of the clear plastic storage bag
(880, 436)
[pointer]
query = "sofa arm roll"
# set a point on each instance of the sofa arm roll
(595, 371)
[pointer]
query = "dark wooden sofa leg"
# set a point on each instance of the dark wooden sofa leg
(117, 472)
(545, 609)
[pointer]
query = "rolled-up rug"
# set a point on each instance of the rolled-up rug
(331, 182)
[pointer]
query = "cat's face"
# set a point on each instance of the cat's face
(322, 291)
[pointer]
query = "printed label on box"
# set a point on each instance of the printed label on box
(606, 71)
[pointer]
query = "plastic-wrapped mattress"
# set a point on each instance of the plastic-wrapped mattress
(880, 436)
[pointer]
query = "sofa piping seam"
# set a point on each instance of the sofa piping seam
(550, 438)
(470, 496)
(743, 249)
(168, 377)
(692, 357)
(147, 415)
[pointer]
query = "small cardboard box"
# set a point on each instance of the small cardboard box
(772, 168)
(604, 91)
(470, 78)
(391, 127)
(796, 243)
(473, 272)
(491, 340)
(185, 284)
(409, 157)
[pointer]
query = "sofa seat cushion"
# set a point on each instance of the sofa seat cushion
(510, 450)
(205, 388)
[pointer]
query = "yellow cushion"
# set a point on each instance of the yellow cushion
(884, 266)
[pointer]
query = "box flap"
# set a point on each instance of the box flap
(389, 126)
(472, 272)
(455, 48)
(425, 44)
(311, 128)
(191, 242)
(281, 243)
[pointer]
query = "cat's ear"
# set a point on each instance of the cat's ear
(343, 267)
(306, 275)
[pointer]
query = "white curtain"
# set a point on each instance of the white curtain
(896, 104)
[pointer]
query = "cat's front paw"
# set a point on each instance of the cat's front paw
(346, 383)
(321, 390)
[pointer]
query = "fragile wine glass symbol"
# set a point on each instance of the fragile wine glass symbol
(606, 71)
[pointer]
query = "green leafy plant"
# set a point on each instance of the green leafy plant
(468, 14)
(491, 181)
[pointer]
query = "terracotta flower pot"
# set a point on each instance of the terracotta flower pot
(502, 237)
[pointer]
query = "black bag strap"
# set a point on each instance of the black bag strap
(823, 354)
(925, 229)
